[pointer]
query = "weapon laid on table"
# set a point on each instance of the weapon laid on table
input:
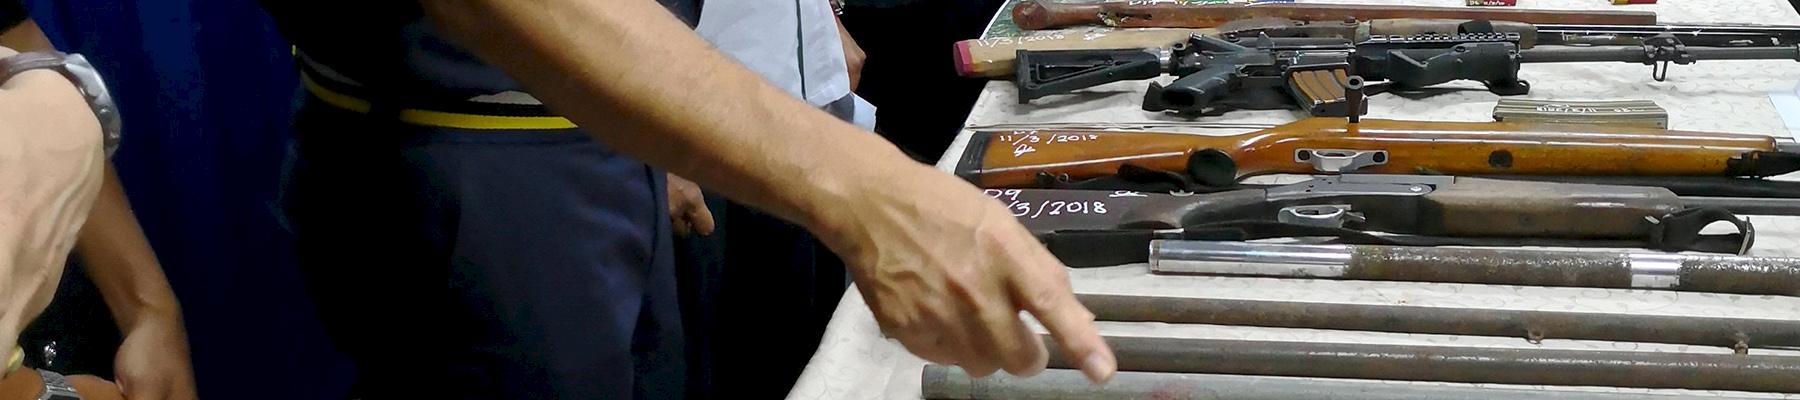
(952, 383)
(1751, 373)
(1047, 14)
(1534, 325)
(993, 57)
(1314, 74)
(1016, 158)
(1389, 210)
(1524, 267)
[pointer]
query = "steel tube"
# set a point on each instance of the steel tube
(1752, 373)
(1636, 54)
(952, 383)
(1527, 324)
(1501, 266)
(1746, 205)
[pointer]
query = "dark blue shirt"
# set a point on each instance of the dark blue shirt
(389, 48)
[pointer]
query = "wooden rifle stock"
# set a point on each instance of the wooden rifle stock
(1328, 145)
(1046, 14)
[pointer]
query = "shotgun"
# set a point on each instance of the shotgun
(1046, 14)
(1016, 158)
(952, 383)
(1098, 228)
(1708, 273)
(1525, 366)
(1534, 325)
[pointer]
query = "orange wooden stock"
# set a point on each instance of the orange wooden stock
(1049, 14)
(1014, 158)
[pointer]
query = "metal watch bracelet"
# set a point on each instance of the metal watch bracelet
(57, 387)
(86, 79)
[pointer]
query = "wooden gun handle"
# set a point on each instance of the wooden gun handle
(1046, 14)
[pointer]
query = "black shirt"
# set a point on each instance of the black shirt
(12, 13)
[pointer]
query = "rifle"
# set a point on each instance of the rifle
(1494, 266)
(1046, 14)
(1097, 228)
(1314, 73)
(996, 159)
(993, 57)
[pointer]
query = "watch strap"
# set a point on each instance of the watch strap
(56, 387)
(18, 64)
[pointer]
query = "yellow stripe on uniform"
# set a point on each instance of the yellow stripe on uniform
(440, 118)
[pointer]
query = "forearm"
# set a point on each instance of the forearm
(645, 84)
(49, 171)
(120, 262)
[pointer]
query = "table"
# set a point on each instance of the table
(855, 362)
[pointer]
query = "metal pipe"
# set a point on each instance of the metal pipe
(1638, 54)
(1746, 205)
(952, 383)
(1691, 35)
(1501, 266)
(1656, 370)
(1743, 333)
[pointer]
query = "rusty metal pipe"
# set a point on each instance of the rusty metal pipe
(1751, 373)
(1502, 266)
(1742, 333)
(951, 383)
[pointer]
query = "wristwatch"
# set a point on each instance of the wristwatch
(56, 387)
(79, 71)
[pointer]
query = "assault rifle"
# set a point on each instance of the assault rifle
(1018, 158)
(994, 57)
(1098, 228)
(1265, 72)
(1047, 14)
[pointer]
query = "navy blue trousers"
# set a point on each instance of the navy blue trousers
(480, 264)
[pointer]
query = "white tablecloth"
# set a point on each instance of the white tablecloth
(854, 362)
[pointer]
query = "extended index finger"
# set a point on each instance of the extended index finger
(1043, 289)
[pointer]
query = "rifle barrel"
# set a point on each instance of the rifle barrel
(1639, 54)
(952, 383)
(1642, 369)
(1692, 35)
(1711, 330)
(1501, 266)
(1747, 205)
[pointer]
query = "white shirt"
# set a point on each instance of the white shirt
(794, 44)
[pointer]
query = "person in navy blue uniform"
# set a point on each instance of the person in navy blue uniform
(478, 196)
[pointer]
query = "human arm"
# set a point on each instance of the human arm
(50, 172)
(945, 269)
(152, 361)
(853, 55)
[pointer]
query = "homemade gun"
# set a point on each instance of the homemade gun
(1493, 266)
(1097, 228)
(1265, 72)
(1047, 14)
(1336, 145)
